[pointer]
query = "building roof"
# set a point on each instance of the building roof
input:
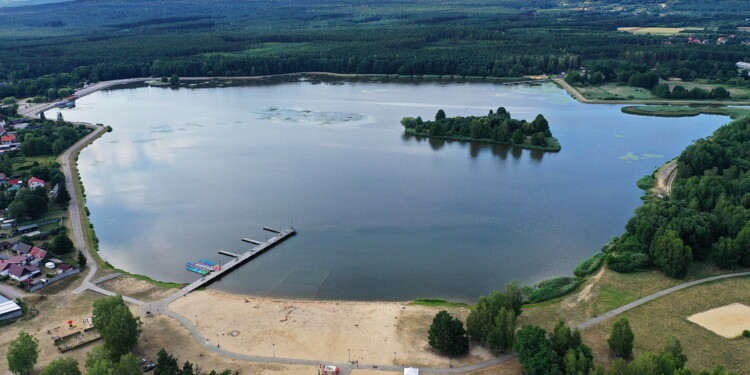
(4, 265)
(18, 271)
(34, 179)
(3, 176)
(38, 253)
(21, 247)
(64, 266)
(8, 138)
(15, 182)
(27, 227)
(8, 307)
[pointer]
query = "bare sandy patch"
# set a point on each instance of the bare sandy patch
(371, 332)
(138, 289)
(727, 321)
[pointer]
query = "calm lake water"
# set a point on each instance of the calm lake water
(380, 215)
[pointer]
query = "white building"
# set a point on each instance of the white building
(743, 65)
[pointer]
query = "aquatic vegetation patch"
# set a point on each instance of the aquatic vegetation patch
(297, 115)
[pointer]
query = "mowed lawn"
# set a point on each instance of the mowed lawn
(738, 93)
(613, 91)
(655, 321)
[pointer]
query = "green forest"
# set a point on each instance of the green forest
(496, 127)
(48, 47)
(707, 217)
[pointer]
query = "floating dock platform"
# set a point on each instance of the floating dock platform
(239, 259)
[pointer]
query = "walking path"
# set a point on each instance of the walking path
(105, 278)
(162, 307)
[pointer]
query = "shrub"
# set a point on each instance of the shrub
(552, 288)
(628, 262)
(746, 333)
(589, 265)
(645, 182)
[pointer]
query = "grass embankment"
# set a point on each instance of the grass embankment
(92, 242)
(654, 322)
(553, 142)
(683, 111)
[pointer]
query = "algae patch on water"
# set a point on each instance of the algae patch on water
(297, 115)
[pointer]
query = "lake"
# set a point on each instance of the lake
(380, 215)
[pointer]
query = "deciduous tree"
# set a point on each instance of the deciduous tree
(23, 353)
(621, 340)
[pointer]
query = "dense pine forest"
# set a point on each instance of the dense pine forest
(85, 40)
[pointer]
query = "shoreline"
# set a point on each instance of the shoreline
(577, 95)
(87, 237)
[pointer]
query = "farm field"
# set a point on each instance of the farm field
(657, 30)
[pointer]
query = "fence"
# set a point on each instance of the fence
(56, 278)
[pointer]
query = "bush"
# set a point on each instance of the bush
(628, 262)
(645, 182)
(589, 265)
(552, 288)
(746, 333)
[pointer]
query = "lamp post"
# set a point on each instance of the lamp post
(217, 341)
(196, 320)
(274, 350)
(350, 355)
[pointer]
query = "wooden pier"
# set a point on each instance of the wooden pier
(239, 259)
(233, 255)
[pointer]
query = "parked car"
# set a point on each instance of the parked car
(141, 361)
(3, 235)
(149, 367)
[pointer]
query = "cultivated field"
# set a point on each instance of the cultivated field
(657, 30)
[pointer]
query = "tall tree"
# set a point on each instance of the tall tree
(674, 348)
(501, 337)
(535, 352)
(117, 326)
(671, 254)
(621, 340)
(23, 353)
(62, 366)
(440, 115)
(447, 335)
(166, 364)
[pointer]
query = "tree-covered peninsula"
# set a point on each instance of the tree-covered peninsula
(496, 127)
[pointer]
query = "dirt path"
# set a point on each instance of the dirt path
(665, 178)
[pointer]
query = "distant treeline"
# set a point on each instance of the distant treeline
(496, 127)
(110, 39)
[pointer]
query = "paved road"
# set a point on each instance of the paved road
(11, 292)
(105, 278)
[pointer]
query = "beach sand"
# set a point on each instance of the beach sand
(383, 333)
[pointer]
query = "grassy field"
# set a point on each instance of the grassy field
(738, 93)
(684, 111)
(609, 91)
(657, 30)
(654, 322)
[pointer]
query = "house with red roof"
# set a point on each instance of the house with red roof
(6, 139)
(35, 183)
(38, 255)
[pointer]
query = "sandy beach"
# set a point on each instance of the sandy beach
(373, 332)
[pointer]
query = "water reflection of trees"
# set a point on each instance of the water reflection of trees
(475, 148)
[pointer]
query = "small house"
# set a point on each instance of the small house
(21, 248)
(35, 183)
(7, 139)
(27, 229)
(38, 255)
(22, 273)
